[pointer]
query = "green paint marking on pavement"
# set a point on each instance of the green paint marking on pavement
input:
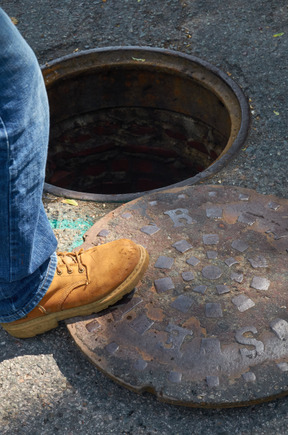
(78, 224)
(71, 224)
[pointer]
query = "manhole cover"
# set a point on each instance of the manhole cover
(130, 120)
(208, 325)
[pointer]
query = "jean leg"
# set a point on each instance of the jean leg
(28, 244)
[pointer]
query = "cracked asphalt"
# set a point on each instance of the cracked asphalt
(46, 385)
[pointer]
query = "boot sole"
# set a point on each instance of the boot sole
(33, 327)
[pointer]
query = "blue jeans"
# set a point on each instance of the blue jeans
(27, 255)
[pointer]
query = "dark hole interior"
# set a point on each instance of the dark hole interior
(130, 150)
(124, 133)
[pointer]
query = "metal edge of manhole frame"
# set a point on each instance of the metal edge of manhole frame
(50, 72)
(219, 366)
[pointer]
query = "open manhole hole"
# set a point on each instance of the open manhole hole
(125, 121)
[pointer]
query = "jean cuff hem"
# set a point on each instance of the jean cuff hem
(39, 294)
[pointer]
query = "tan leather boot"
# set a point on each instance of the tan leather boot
(85, 282)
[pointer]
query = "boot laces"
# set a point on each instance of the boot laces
(74, 256)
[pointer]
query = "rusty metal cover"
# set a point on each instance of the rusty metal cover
(208, 325)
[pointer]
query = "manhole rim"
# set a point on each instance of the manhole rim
(50, 73)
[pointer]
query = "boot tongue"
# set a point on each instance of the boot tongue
(70, 260)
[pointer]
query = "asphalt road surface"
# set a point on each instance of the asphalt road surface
(47, 385)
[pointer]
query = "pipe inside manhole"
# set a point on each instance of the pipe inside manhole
(130, 120)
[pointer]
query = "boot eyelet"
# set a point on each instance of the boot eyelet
(81, 270)
(70, 271)
(59, 272)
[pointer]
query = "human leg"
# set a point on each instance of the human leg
(27, 258)
(32, 297)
